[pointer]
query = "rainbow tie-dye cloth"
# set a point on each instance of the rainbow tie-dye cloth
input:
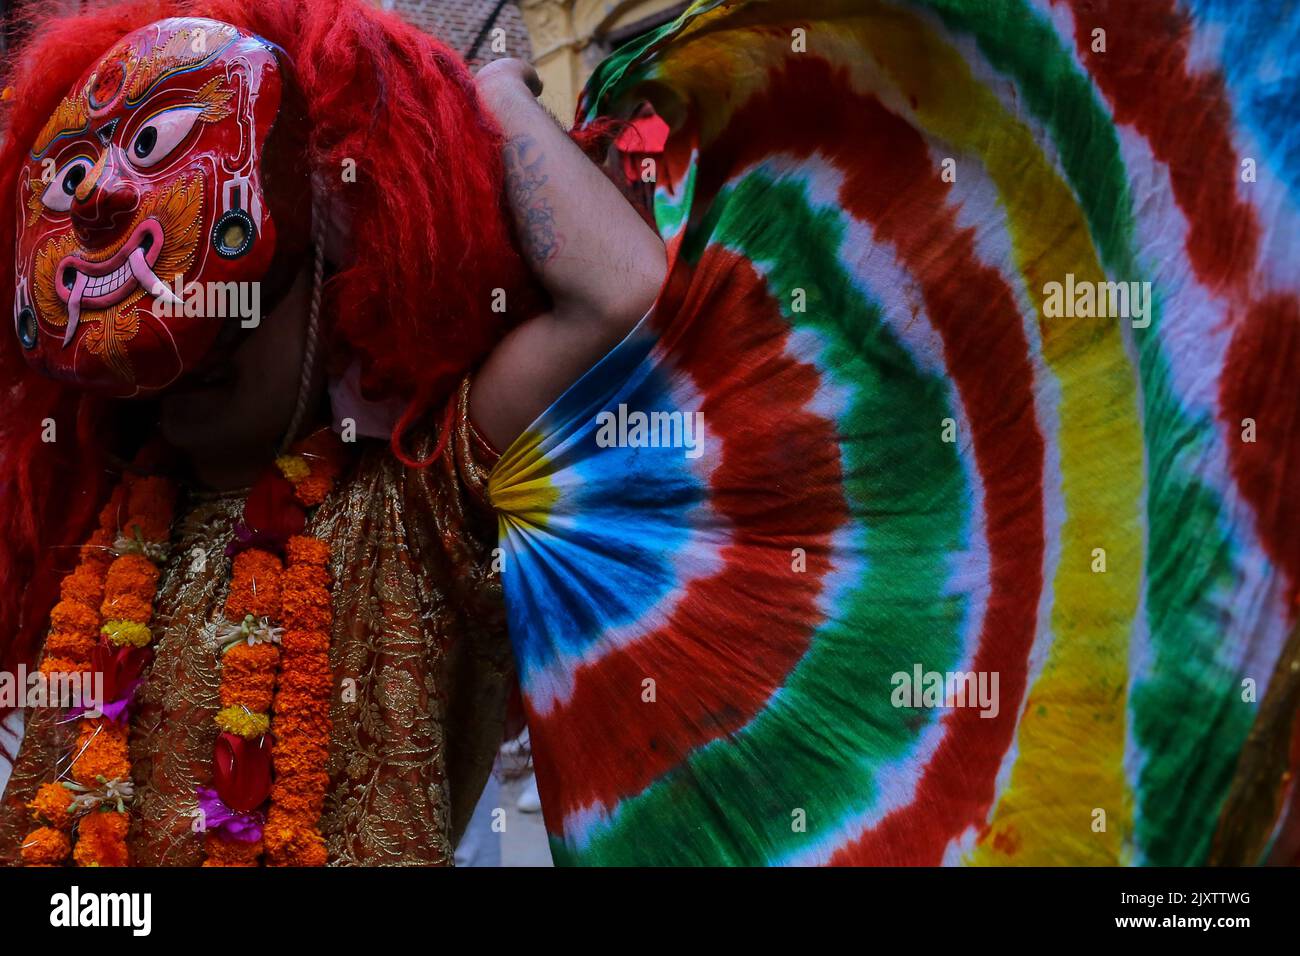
(946, 510)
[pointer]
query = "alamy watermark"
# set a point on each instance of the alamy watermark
(1083, 299)
(637, 429)
(75, 908)
(83, 690)
(210, 300)
(942, 690)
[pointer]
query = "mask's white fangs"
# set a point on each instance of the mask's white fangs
(98, 285)
(74, 307)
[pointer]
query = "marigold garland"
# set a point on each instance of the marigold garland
(74, 627)
(247, 674)
(301, 712)
(67, 645)
(130, 586)
(100, 752)
(109, 597)
(296, 594)
(64, 665)
(276, 678)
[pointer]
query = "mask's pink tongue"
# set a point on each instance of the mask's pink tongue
(74, 307)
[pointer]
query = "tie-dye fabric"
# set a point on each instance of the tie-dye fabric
(919, 455)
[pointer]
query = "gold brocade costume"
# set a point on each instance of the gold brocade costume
(419, 651)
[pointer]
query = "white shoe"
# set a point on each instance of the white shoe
(529, 800)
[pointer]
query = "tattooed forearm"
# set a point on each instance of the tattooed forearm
(600, 264)
(524, 159)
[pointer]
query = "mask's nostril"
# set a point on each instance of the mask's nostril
(147, 242)
(69, 277)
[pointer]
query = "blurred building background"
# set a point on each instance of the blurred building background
(479, 30)
(565, 39)
(569, 37)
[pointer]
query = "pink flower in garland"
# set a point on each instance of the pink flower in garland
(121, 669)
(232, 824)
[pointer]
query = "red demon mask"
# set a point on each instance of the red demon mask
(147, 237)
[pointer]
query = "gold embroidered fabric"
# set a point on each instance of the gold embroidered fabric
(420, 655)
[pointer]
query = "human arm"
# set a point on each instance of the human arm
(601, 264)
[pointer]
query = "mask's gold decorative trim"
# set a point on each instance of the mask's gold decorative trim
(183, 49)
(71, 116)
(214, 96)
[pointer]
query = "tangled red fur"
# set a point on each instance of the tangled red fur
(428, 227)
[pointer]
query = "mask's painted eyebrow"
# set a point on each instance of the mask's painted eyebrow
(70, 118)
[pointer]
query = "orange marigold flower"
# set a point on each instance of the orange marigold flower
(313, 489)
(51, 805)
(101, 745)
(303, 549)
(84, 586)
(254, 585)
(73, 617)
(76, 646)
(131, 574)
(128, 607)
(298, 783)
(306, 607)
(248, 676)
(231, 852)
(105, 728)
(299, 641)
(311, 576)
(63, 665)
(311, 851)
(289, 843)
(307, 676)
(46, 846)
(101, 839)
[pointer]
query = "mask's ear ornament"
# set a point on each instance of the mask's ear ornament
(235, 231)
(149, 217)
(26, 322)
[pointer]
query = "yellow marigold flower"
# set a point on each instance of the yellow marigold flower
(122, 633)
(246, 723)
(293, 467)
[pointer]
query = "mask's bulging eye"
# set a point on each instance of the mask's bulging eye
(145, 142)
(156, 139)
(58, 194)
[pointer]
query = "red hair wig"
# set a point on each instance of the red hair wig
(429, 230)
